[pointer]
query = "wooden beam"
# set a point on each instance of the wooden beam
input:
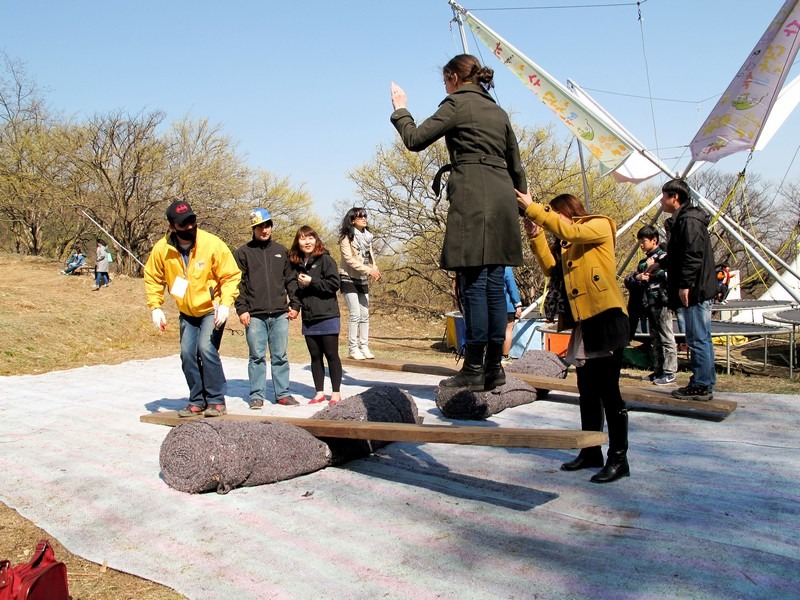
(655, 397)
(510, 437)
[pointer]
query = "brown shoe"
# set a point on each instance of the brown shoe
(191, 410)
(256, 403)
(288, 401)
(215, 410)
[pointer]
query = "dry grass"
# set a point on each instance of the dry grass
(50, 322)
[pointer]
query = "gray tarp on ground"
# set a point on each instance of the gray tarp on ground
(711, 509)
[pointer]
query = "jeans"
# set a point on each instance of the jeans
(358, 326)
(482, 293)
(681, 321)
(264, 332)
(200, 360)
(101, 278)
(698, 337)
(663, 339)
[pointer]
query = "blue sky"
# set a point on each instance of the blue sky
(304, 86)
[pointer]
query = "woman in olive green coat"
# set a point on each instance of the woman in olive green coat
(482, 235)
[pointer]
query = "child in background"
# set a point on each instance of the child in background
(651, 279)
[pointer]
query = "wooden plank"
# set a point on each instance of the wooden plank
(660, 398)
(639, 395)
(511, 437)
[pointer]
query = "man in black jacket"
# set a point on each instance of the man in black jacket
(691, 284)
(267, 301)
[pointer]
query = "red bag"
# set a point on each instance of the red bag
(43, 578)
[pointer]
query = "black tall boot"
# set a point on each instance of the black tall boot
(591, 420)
(617, 464)
(471, 375)
(495, 374)
(588, 458)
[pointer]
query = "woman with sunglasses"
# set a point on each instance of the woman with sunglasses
(355, 270)
(482, 235)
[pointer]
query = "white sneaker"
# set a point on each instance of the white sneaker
(366, 352)
(356, 354)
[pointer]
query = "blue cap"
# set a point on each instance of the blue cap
(258, 216)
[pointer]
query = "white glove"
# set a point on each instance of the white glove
(221, 314)
(159, 319)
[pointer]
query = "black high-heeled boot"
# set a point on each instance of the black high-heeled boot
(617, 463)
(588, 458)
(471, 375)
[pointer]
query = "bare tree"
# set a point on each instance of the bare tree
(122, 164)
(204, 168)
(410, 220)
(751, 203)
(290, 207)
(34, 164)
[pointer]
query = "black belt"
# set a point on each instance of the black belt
(475, 158)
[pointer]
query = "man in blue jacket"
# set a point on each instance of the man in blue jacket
(267, 302)
(691, 284)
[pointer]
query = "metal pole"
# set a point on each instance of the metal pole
(756, 241)
(458, 11)
(583, 174)
(111, 237)
(638, 215)
(709, 208)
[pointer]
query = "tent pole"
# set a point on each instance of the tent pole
(583, 174)
(709, 208)
(111, 237)
(758, 243)
(638, 215)
(457, 17)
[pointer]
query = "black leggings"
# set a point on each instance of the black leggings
(598, 386)
(327, 345)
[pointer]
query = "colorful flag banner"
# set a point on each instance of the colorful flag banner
(736, 121)
(599, 139)
(787, 101)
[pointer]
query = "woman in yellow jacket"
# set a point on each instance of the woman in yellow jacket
(583, 296)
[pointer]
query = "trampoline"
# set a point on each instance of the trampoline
(729, 329)
(726, 329)
(789, 317)
(731, 306)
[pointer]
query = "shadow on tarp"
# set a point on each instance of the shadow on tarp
(419, 469)
(166, 404)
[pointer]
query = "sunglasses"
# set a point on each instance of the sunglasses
(361, 215)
